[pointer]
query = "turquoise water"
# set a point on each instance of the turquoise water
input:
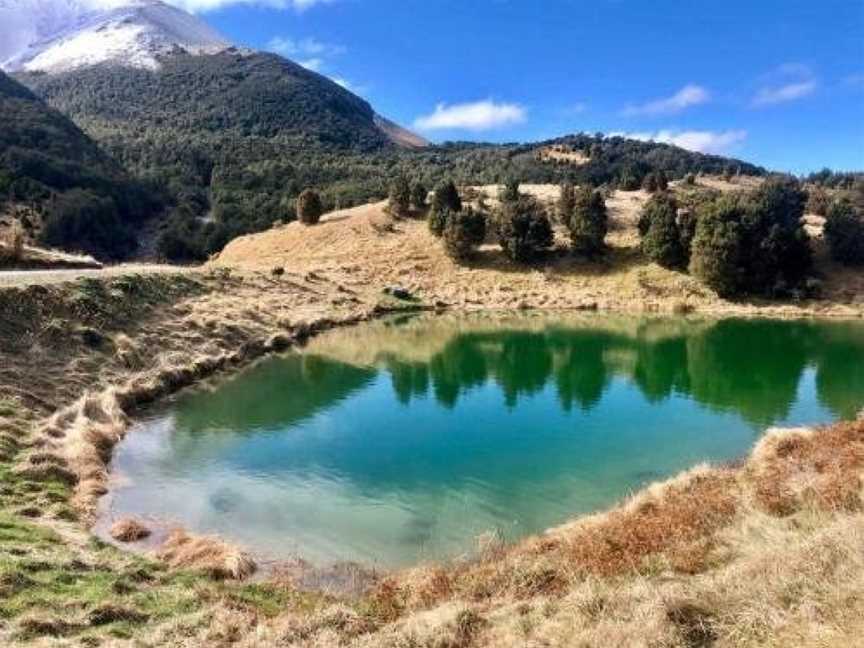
(405, 440)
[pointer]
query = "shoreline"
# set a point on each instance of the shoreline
(74, 443)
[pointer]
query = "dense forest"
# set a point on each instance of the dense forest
(226, 142)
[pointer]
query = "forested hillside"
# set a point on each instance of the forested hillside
(232, 139)
(69, 193)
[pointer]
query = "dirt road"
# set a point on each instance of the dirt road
(15, 278)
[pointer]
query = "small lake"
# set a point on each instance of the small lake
(405, 440)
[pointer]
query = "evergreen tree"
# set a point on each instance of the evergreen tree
(753, 244)
(662, 239)
(510, 191)
(649, 183)
(400, 197)
(566, 202)
(844, 231)
(438, 218)
(588, 222)
(446, 196)
(418, 196)
(718, 255)
(463, 232)
(524, 229)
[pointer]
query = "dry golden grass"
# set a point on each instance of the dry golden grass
(129, 530)
(206, 553)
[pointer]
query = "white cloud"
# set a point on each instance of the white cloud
(787, 82)
(308, 47)
(702, 141)
(201, 6)
(475, 116)
(314, 64)
(689, 95)
(781, 94)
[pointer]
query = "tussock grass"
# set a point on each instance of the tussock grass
(129, 530)
(215, 557)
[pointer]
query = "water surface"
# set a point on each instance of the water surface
(404, 440)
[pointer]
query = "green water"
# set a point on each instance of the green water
(398, 441)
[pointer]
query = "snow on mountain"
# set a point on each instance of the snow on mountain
(61, 35)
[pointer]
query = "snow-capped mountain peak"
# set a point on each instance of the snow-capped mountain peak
(74, 33)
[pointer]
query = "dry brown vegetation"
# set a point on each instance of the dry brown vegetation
(214, 556)
(129, 530)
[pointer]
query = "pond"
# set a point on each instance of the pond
(405, 440)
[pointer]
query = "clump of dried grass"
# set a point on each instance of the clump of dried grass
(217, 558)
(791, 469)
(129, 530)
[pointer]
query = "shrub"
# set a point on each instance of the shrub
(446, 197)
(687, 230)
(662, 240)
(689, 179)
(523, 229)
(566, 202)
(418, 196)
(400, 197)
(753, 244)
(844, 231)
(438, 218)
(655, 181)
(463, 232)
(717, 254)
(588, 222)
(777, 242)
(510, 191)
(628, 181)
(309, 207)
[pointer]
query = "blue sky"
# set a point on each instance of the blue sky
(780, 83)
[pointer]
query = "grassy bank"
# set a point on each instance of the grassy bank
(766, 552)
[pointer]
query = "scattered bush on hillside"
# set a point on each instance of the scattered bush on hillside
(629, 181)
(780, 248)
(718, 254)
(399, 200)
(309, 207)
(844, 231)
(753, 244)
(655, 181)
(662, 240)
(509, 191)
(463, 232)
(588, 222)
(446, 196)
(689, 179)
(566, 202)
(524, 230)
(445, 201)
(438, 218)
(418, 196)
(686, 230)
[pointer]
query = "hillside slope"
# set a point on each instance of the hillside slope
(365, 247)
(65, 190)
